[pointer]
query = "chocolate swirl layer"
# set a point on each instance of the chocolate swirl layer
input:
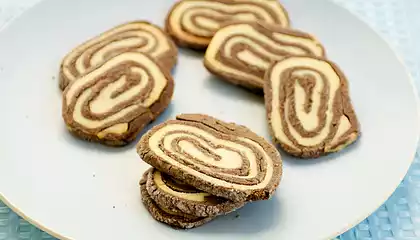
(219, 158)
(241, 52)
(192, 23)
(172, 193)
(114, 101)
(308, 106)
(166, 215)
(139, 36)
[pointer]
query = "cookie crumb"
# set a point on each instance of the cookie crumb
(113, 207)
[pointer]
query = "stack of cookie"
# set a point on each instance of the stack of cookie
(117, 82)
(204, 167)
(250, 43)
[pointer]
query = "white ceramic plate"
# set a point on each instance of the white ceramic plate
(84, 191)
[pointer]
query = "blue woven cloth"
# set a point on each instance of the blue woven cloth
(398, 22)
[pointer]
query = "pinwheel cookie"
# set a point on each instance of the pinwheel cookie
(308, 106)
(138, 36)
(241, 52)
(185, 199)
(219, 158)
(167, 215)
(114, 101)
(192, 23)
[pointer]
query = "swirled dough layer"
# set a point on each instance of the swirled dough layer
(137, 36)
(193, 23)
(167, 215)
(219, 158)
(241, 52)
(170, 192)
(309, 107)
(114, 101)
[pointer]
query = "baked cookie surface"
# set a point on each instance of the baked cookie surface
(241, 52)
(137, 36)
(308, 105)
(192, 23)
(222, 159)
(114, 101)
(173, 194)
(166, 215)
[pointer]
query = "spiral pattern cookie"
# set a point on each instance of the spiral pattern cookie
(192, 23)
(223, 159)
(138, 36)
(114, 101)
(166, 215)
(308, 106)
(172, 193)
(241, 52)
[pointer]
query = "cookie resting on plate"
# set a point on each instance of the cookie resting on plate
(137, 36)
(192, 23)
(241, 52)
(308, 106)
(113, 102)
(170, 192)
(167, 215)
(220, 158)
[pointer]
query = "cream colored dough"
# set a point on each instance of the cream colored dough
(229, 159)
(198, 197)
(117, 129)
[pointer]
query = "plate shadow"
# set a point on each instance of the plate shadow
(221, 87)
(253, 218)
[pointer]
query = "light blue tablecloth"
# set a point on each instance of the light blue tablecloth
(398, 21)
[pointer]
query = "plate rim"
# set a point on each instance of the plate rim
(9, 23)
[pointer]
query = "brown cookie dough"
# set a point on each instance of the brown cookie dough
(169, 192)
(166, 215)
(169, 209)
(113, 102)
(192, 23)
(137, 36)
(241, 52)
(223, 159)
(308, 106)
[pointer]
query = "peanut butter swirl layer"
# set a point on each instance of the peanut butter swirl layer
(114, 101)
(166, 215)
(192, 23)
(222, 159)
(170, 192)
(308, 106)
(138, 36)
(241, 52)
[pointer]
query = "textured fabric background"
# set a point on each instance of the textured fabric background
(398, 22)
